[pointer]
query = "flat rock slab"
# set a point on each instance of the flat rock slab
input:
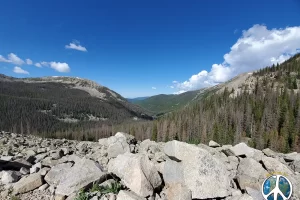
(81, 175)
(57, 173)
(28, 183)
(203, 174)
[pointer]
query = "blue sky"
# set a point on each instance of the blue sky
(143, 48)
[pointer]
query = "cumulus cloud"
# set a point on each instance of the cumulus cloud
(153, 88)
(75, 45)
(60, 67)
(12, 58)
(38, 64)
(258, 47)
(29, 62)
(19, 70)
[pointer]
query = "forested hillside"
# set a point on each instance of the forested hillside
(62, 107)
(164, 103)
(265, 112)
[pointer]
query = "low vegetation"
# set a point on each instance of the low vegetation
(114, 188)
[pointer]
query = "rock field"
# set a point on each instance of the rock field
(121, 168)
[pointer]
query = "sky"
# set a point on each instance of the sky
(144, 48)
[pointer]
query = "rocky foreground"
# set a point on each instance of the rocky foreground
(121, 168)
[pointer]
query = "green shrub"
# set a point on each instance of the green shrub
(15, 198)
(82, 195)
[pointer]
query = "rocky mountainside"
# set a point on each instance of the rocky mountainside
(54, 106)
(122, 168)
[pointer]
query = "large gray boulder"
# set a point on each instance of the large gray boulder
(137, 172)
(28, 183)
(117, 145)
(213, 144)
(270, 153)
(250, 174)
(57, 173)
(290, 157)
(9, 177)
(242, 149)
(81, 175)
(127, 195)
(275, 166)
(296, 166)
(178, 191)
(202, 173)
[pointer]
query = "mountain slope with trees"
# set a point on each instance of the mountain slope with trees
(62, 107)
(164, 103)
(263, 110)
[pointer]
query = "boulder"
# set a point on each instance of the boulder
(173, 172)
(213, 144)
(9, 177)
(296, 166)
(177, 191)
(6, 158)
(130, 139)
(137, 173)
(127, 195)
(35, 168)
(268, 152)
(275, 166)
(103, 141)
(117, 145)
(250, 174)
(291, 157)
(254, 193)
(81, 175)
(24, 171)
(242, 149)
(59, 197)
(57, 173)
(43, 187)
(28, 183)
(202, 173)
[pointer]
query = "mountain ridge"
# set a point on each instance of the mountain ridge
(54, 105)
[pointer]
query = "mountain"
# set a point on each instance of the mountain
(164, 103)
(62, 106)
(133, 100)
(261, 108)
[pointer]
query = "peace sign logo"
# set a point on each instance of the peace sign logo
(277, 187)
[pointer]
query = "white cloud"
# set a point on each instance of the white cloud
(29, 62)
(153, 88)
(12, 58)
(38, 64)
(258, 47)
(179, 92)
(60, 67)
(75, 45)
(15, 59)
(45, 64)
(2, 59)
(19, 70)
